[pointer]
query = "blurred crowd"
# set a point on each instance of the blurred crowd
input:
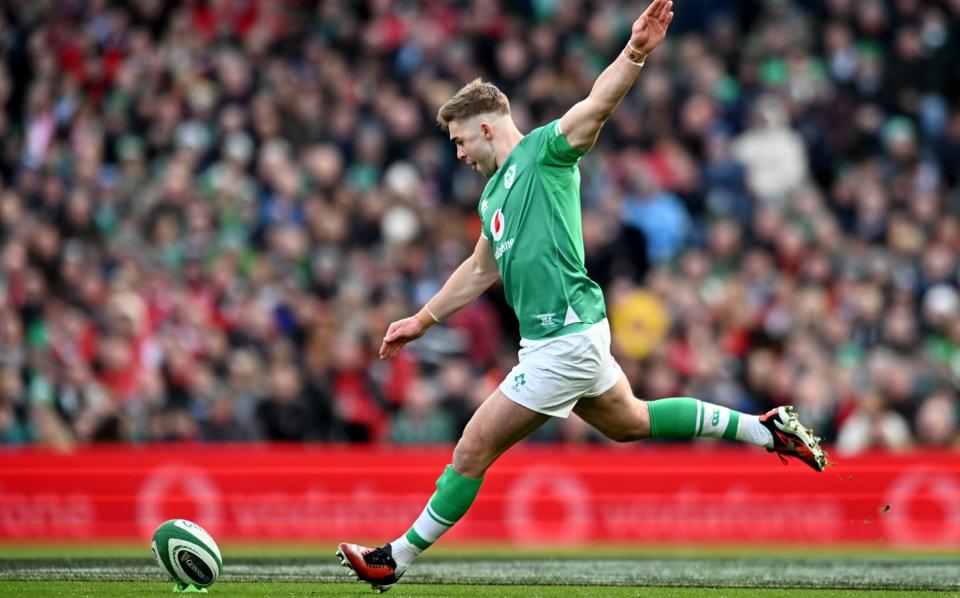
(211, 210)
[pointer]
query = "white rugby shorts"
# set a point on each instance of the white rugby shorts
(554, 373)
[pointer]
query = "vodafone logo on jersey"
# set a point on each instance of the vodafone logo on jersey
(497, 225)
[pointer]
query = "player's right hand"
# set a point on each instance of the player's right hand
(400, 333)
(648, 30)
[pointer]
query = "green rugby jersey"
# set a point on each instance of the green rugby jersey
(530, 211)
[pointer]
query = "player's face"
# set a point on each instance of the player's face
(474, 147)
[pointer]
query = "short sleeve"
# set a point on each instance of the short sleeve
(483, 231)
(556, 150)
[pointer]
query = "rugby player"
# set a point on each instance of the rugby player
(532, 240)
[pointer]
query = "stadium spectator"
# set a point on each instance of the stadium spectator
(422, 420)
(192, 193)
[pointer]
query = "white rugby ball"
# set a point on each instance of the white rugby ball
(187, 553)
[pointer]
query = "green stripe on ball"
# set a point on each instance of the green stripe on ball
(195, 556)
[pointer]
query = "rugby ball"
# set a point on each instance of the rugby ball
(187, 553)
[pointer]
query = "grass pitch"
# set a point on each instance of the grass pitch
(249, 572)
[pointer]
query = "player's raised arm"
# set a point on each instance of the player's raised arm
(468, 281)
(582, 123)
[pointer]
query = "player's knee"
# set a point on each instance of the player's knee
(471, 458)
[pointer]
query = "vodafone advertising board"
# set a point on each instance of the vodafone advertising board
(534, 495)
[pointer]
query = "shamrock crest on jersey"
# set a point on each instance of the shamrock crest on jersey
(510, 176)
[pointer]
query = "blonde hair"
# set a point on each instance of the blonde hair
(476, 97)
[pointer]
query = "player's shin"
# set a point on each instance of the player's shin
(684, 417)
(455, 493)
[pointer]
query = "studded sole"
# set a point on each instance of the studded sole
(344, 562)
(792, 421)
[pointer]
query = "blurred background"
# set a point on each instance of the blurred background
(211, 211)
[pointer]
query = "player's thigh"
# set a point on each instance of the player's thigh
(498, 424)
(616, 413)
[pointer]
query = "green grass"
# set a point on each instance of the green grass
(476, 572)
(307, 550)
(128, 589)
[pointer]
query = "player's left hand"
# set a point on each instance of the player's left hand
(649, 30)
(399, 334)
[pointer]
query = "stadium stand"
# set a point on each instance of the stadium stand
(210, 211)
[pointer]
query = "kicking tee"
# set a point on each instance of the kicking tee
(530, 210)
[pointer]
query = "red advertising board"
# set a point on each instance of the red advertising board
(637, 494)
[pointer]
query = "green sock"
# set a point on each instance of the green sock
(684, 417)
(454, 495)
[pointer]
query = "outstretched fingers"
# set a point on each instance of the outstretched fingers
(390, 348)
(398, 334)
(662, 10)
(657, 8)
(387, 346)
(666, 15)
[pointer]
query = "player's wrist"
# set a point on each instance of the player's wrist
(633, 55)
(427, 317)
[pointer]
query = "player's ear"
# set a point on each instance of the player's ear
(486, 129)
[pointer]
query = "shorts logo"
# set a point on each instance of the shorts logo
(519, 380)
(510, 176)
(497, 225)
(546, 319)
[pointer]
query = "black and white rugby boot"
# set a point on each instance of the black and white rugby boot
(792, 438)
(374, 566)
